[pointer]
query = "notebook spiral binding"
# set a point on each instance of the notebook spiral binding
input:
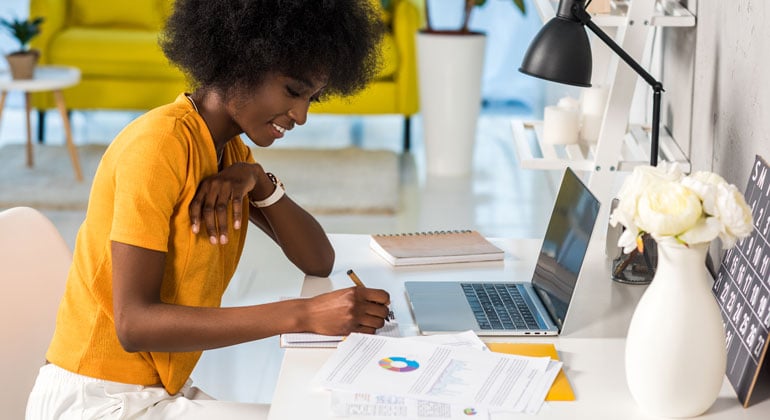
(426, 233)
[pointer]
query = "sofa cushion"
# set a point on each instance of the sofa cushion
(132, 53)
(113, 53)
(146, 14)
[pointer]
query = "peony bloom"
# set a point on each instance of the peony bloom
(705, 185)
(688, 209)
(734, 214)
(668, 209)
(641, 178)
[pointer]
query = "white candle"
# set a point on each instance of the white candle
(560, 125)
(594, 100)
(569, 103)
(589, 132)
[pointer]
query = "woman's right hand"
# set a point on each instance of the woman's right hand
(341, 312)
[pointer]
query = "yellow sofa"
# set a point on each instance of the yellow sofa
(114, 44)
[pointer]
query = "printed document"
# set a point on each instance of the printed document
(431, 372)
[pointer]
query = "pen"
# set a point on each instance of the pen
(353, 276)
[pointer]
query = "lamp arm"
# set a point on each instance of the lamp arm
(657, 87)
(654, 135)
(585, 19)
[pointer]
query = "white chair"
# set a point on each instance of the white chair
(34, 260)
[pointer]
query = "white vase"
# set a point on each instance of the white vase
(450, 66)
(675, 350)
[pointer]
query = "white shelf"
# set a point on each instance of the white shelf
(667, 13)
(535, 154)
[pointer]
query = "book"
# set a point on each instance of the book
(435, 247)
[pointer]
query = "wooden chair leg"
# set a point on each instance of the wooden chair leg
(407, 133)
(27, 110)
(62, 106)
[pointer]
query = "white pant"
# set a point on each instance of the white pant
(60, 394)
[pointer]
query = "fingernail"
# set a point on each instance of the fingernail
(237, 224)
(223, 239)
(213, 240)
(195, 228)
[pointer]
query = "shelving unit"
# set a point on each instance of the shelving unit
(536, 154)
(621, 145)
(666, 13)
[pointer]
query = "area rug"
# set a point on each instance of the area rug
(323, 181)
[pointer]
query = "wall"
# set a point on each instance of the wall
(731, 100)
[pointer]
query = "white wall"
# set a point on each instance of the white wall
(731, 99)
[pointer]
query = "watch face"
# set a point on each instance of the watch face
(274, 179)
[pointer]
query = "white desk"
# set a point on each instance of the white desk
(592, 345)
(46, 78)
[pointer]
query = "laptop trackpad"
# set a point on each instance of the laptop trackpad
(440, 307)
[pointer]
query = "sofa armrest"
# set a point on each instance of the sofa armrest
(55, 14)
(406, 22)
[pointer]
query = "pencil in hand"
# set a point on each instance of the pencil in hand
(353, 276)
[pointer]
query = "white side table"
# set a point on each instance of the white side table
(47, 78)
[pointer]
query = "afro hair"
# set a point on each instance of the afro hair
(232, 44)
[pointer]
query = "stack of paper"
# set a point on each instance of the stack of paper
(444, 377)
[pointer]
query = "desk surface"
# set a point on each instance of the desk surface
(591, 346)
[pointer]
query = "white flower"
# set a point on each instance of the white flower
(705, 185)
(671, 207)
(734, 214)
(668, 209)
(627, 239)
(705, 230)
(641, 178)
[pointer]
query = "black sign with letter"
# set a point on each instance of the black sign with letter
(742, 289)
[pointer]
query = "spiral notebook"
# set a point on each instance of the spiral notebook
(435, 247)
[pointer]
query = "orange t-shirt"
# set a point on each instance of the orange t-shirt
(140, 196)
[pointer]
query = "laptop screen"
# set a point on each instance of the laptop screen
(565, 245)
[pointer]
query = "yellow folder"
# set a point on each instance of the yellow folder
(561, 389)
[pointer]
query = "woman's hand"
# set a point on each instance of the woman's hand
(216, 192)
(341, 312)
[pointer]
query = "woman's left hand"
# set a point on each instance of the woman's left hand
(215, 193)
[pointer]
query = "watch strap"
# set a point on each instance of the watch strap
(276, 195)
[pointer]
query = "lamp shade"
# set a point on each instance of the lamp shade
(560, 52)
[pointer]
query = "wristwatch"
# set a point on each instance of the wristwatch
(278, 192)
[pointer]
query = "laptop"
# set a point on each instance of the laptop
(516, 308)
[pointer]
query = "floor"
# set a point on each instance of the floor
(499, 198)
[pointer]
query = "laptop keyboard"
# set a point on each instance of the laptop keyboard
(499, 306)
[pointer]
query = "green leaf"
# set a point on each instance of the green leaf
(520, 5)
(23, 29)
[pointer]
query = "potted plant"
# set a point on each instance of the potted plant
(22, 61)
(450, 64)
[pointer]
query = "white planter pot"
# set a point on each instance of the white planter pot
(675, 351)
(450, 68)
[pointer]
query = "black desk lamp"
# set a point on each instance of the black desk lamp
(561, 53)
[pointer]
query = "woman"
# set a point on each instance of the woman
(165, 224)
